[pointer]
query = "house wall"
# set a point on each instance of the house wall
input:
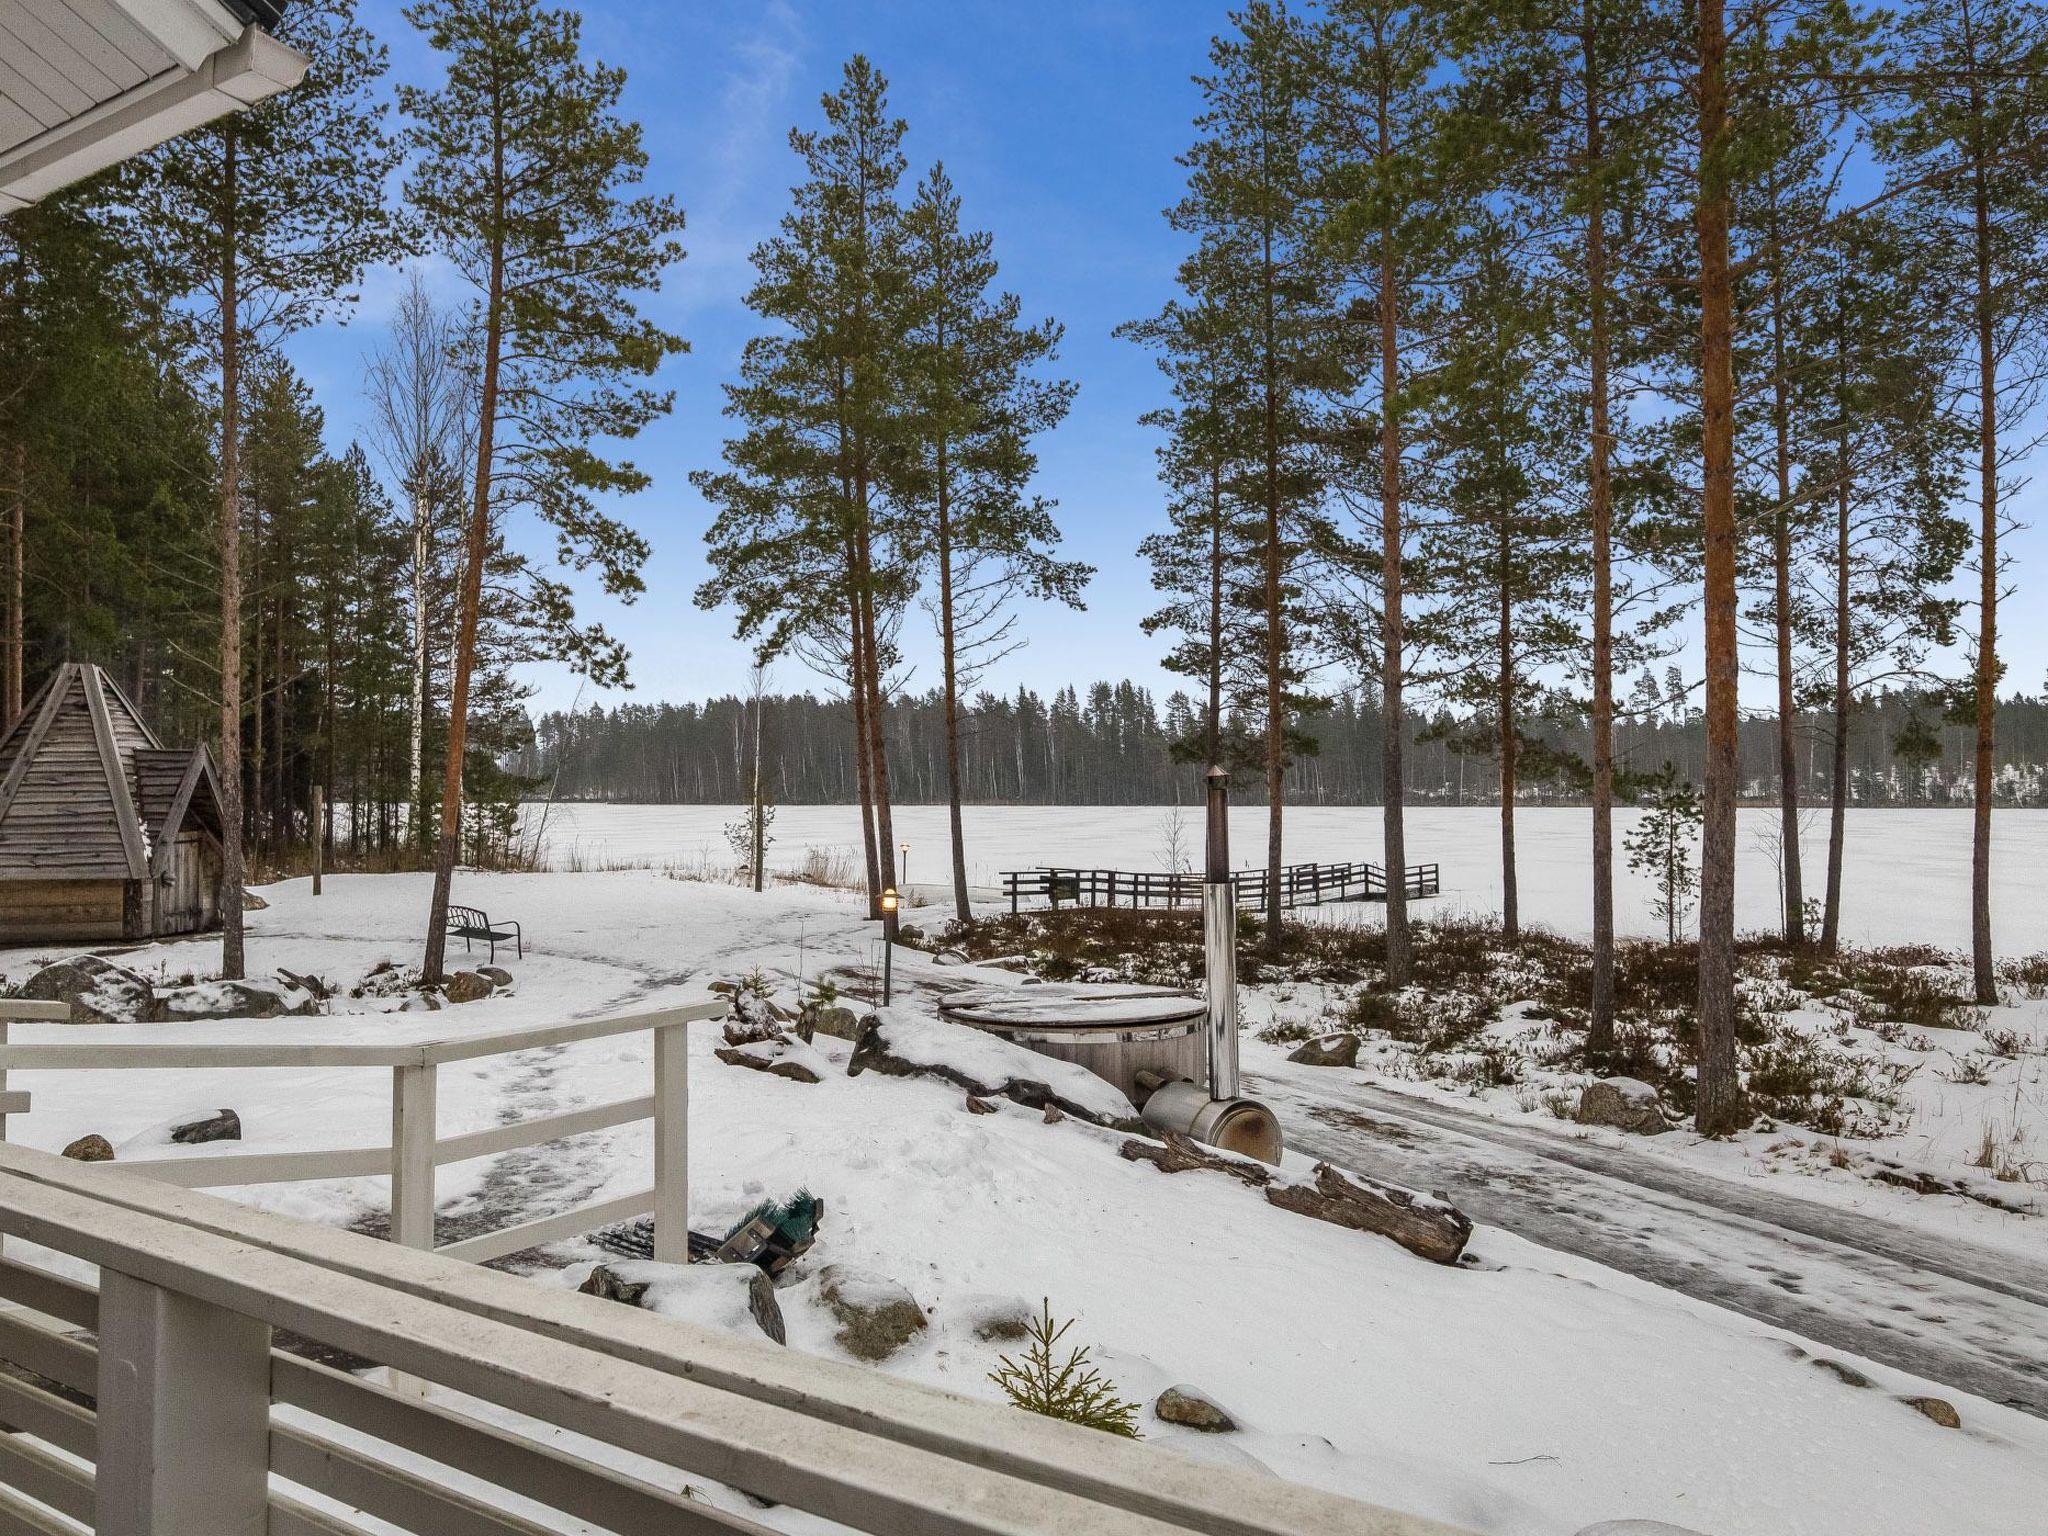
(70, 911)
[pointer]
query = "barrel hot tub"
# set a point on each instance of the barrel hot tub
(1115, 1031)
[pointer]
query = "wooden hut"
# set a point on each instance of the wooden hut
(105, 833)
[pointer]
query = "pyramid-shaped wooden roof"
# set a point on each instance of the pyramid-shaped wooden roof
(87, 792)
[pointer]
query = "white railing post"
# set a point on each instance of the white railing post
(412, 1156)
(671, 1144)
(184, 1415)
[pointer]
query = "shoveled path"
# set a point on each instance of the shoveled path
(1973, 1318)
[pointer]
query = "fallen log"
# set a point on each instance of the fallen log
(1182, 1154)
(1424, 1225)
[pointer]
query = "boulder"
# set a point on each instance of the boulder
(1327, 1051)
(1626, 1103)
(951, 957)
(251, 902)
(1637, 1528)
(980, 1106)
(735, 1298)
(998, 1319)
(1191, 1409)
(899, 1043)
(781, 1056)
(99, 991)
(742, 1029)
(876, 1316)
(467, 987)
(225, 1126)
(1939, 1409)
(232, 1000)
(90, 1149)
(831, 1019)
(497, 976)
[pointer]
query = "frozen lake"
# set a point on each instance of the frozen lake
(1907, 871)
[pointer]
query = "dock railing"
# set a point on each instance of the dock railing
(416, 1148)
(1301, 885)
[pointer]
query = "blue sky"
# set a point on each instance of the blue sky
(1059, 122)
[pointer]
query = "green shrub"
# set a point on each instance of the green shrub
(1072, 1390)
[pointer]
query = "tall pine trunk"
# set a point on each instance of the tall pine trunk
(1793, 890)
(1981, 962)
(1212, 712)
(1600, 492)
(1400, 945)
(1718, 1105)
(232, 957)
(1276, 643)
(475, 545)
(1838, 782)
(857, 695)
(1510, 898)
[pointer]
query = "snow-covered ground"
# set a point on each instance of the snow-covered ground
(1529, 1393)
(1907, 871)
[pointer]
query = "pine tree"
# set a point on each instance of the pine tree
(1963, 150)
(523, 179)
(1503, 566)
(1886, 468)
(1393, 186)
(1257, 265)
(806, 546)
(975, 403)
(1579, 87)
(269, 217)
(1206, 561)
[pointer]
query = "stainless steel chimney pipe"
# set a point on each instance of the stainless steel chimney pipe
(1219, 942)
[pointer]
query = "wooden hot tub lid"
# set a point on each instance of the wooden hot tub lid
(1059, 1007)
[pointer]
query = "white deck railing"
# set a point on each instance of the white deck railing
(173, 1413)
(416, 1149)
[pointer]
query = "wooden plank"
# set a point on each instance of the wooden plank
(18, 1517)
(549, 1229)
(234, 1170)
(117, 777)
(607, 1498)
(830, 1394)
(211, 1055)
(30, 1010)
(46, 1477)
(541, 1129)
(413, 1094)
(385, 1491)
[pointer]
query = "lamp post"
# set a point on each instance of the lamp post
(1219, 941)
(904, 864)
(890, 901)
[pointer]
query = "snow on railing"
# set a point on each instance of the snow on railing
(158, 1402)
(416, 1149)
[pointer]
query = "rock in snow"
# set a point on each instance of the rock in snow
(1939, 1409)
(735, 1298)
(90, 1149)
(1327, 1051)
(99, 991)
(898, 1043)
(782, 1056)
(233, 1000)
(1637, 1528)
(225, 1126)
(876, 1316)
(997, 1319)
(1627, 1103)
(466, 987)
(1191, 1408)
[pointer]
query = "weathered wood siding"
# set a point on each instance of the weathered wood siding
(188, 897)
(66, 911)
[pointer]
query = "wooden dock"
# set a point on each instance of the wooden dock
(1301, 885)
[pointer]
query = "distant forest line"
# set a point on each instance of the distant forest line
(1112, 744)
